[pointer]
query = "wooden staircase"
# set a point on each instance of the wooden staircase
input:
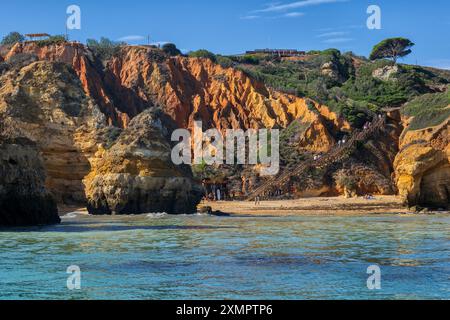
(337, 154)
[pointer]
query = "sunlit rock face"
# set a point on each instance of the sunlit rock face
(135, 174)
(189, 89)
(423, 167)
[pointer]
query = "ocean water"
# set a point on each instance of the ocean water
(203, 257)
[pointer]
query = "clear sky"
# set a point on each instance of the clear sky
(233, 26)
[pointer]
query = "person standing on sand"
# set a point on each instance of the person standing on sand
(219, 195)
(257, 201)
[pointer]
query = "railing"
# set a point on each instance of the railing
(337, 154)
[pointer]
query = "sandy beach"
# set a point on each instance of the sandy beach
(313, 206)
(331, 206)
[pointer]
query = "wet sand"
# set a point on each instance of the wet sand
(313, 206)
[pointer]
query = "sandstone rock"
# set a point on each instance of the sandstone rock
(45, 102)
(386, 73)
(205, 210)
(331, 70)
(89, 73)
(24, 201)
(422, 167)
(136, 174)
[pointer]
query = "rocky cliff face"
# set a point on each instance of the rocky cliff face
(197, 89)
(189, 89)
(24, 200)
(423, 167)
(87, 68)
(79, 110)
(136, 175)
(45, 102)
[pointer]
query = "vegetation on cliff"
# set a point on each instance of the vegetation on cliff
(428, 110)
(202, 53)
(171, 49)
(105, 48)
(346, 83)
(52, 40)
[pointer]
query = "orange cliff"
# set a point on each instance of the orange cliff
(188, 89)
(83, 62)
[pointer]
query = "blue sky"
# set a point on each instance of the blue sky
(231, 26)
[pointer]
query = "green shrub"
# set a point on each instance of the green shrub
(12, 38)
(225, 62)
(430, 118)
(331, 52)
(59, 39)
(248, 59)
(344, 180)
(171, 49)
(18, 61)
(104, 49)
(203, 54)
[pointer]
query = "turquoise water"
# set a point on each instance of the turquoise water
(202, 257)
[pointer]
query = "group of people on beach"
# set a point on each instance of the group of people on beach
(215, 195)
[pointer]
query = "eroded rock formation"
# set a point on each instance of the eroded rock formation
(45, 102)
(423, 167)
(189, 89)
(80, 110)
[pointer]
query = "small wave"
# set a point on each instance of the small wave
(157, 215)
(71, 215)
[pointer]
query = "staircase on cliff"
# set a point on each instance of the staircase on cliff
(337, 154)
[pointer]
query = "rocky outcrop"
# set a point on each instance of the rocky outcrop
(386, 73)
(135, 174)
(45, 102)
(24, 200)
(87, 68)
(331, 70)
(77, 116)
(423, 167)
